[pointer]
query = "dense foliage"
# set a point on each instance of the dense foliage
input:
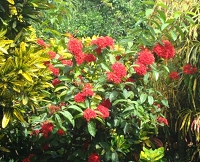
(81, 95)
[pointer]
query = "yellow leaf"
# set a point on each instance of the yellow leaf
(3, 50)
(18, 115)
(22, 49)
(27, 76)
(40, 66)
(24, 100)
(4, 149)
(1, 136)
(35, 5)
(11, 2)
(6, 119)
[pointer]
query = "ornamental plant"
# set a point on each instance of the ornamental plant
(100, 107)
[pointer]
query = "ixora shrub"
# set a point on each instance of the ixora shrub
(101, 107)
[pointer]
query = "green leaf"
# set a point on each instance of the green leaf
(104, 67)
(59, 88)
(114, 157)
(92, 128)
(59, 121)
(130, 108)
(143, 97)
(74, 107)
(148, 12)
(148, 2)
(165, 103)
(150, 100)
(68, 116)
(164, 26)
(112, 58)
(156, 75)
(173, 35)
(162, 15)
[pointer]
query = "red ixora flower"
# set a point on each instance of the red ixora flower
(146, 57)
(165, 51)
(113, 77)
(162, 120)
(51, 54)
(106, 103)
(141, 69)
(94, 157)
(55, 81)
(41, 43)
(80, 58)
(54, 70)
(75, 46)
(87, 90)
(53, 109)
(189, 69)
(67, 62)
(174, 75)
(119, 69)
(89, 114)
(46, 147)
(28, 159)
(35, 132)
(79, 97)
(89, 58)
(104, 110)
(103, 42)
(46, 128)
(60, 132)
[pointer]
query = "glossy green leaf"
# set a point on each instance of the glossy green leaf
(92, 128)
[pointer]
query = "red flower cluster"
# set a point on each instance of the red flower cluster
(94, 158)
(146, 57)
(46, 147)
(162, 120)
(174, 75)
(28, 159)
(53, 109)
(141, 70)
(51, 54)
(106, 103)
(60, 132)
(75, 46)
(46, 128)
(113, 77)
(89, 58)
(67, 62)
(79, 97)
(55, 81)
(130, 80)
(87, 91)
(35, 132)
(119, 71)
(104, 110)
(80, 58)
(89, 114)
(189, 69)
(165, 51)
(103, 42)
(54, 70)
(41, 43)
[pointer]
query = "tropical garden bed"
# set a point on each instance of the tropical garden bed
(116, 83)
